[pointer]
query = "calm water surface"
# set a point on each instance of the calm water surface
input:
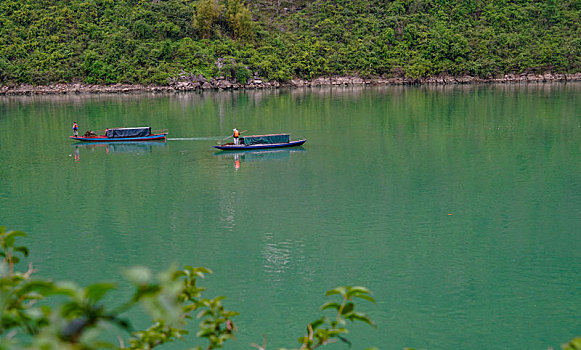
(459, 207)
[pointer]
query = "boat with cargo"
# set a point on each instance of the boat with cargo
(261, 142)
(143, 133)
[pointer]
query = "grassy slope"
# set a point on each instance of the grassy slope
(142, 41)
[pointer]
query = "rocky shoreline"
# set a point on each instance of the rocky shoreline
(199, 83)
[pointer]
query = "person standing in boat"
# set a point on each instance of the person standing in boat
(75, 129)
(236, 136)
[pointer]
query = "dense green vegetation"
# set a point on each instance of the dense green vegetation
(149, 41)
(80, 317)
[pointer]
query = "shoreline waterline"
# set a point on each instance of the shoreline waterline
(217, 84)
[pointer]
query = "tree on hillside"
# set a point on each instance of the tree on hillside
(206, 15)
(239, 20)
(213, 18)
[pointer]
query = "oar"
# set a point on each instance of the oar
(231, 136)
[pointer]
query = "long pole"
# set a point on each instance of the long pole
(231, 136)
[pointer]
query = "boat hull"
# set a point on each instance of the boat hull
(260, 146)
(101, 138)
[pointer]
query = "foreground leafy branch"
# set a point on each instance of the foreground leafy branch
(325, 331)
(170, 298)
(574, 344)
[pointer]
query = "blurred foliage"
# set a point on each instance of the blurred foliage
(79, 318)
(574, 344)
(150, 41)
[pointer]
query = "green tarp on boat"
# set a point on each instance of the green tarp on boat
(266, 139)
(128, 132)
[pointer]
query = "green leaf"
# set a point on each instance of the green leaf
(205, 332)
(359, 316)
(366, 297)
(574, 344)
(10, 238)
(179, 273)
(359, 289)
(315, 324)
(96, 291)
(348, 308)
(66, 288)
(189, 308)
(42, 287)
(303, 340)
(337, 331)
(203, 269)
(230, 314)
(204, 313)
(330, 305)
(22, 250)
(147, 292)
(338, 290)
(198, 271)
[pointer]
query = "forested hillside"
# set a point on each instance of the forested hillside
(150, 41)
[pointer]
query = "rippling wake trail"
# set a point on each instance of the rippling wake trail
(193, 138)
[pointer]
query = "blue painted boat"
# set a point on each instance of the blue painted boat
(124, 135)
(262, 142)
(121, 147)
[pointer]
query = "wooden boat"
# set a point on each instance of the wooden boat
(261, 142)
(123, 135)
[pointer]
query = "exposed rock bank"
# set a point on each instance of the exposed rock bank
(199, 83)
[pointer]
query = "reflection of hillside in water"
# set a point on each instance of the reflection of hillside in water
(121, 147)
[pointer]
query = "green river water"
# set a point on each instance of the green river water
(459, 207)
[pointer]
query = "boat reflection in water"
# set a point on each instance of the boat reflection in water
(119, 147)
(258, 155)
